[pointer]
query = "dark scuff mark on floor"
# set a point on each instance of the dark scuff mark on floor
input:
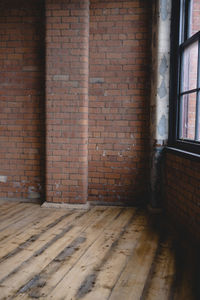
(33, 286)
(33, 238)
(87, 285)
(90, 280)
(42, 249)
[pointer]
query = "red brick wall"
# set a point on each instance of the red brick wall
(182, 190)
(119, 100)
(21, 98)
(67, 36)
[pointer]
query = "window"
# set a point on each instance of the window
(185, 75)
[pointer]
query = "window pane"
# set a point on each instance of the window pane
(194, 25)
(189, 67)
(198, 119)
(187, 118)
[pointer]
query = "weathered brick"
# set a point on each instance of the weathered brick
(71, 118)
(118, 91)
(22, 82)
(182, 177)
(118, 129)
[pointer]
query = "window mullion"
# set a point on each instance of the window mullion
(198, 66)
(189, 14)
(189, 91)
(180, 121)
(198, 98)
(182, 22)
(197, 133)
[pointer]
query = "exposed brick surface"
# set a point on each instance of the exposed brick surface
(182, 191)
(118, 91)
(21, 98)
(67, 37)
(118, 133)
(119, 100)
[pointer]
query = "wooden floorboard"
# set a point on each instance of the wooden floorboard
(103, 253)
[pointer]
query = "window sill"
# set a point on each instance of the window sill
(183, 153)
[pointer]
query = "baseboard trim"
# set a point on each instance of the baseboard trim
(104, 203)
(117, 203)
(21, 200)
(84, 206)
(154, 210)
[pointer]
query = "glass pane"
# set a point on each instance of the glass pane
(188, 116)
(194, 25)
(189, 67)
(198, 119)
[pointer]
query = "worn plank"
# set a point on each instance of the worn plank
(162, 273)
(53, 274)
(23, 233)
(14, 215)
(6, 207)
(49, 246)
(84, 272)
(100, 254)
(7, 266)
(20, 226)
(110, 271)
(131, 282)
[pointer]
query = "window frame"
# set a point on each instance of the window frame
(179, 21)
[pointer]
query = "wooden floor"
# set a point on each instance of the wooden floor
(103, 253)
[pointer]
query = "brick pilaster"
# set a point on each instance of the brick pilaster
(67, 34)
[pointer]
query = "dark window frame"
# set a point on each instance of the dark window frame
(179, 24)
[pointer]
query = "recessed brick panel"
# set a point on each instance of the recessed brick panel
(119, 100)
(21, 98)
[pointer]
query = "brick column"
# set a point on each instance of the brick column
(67, 34)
